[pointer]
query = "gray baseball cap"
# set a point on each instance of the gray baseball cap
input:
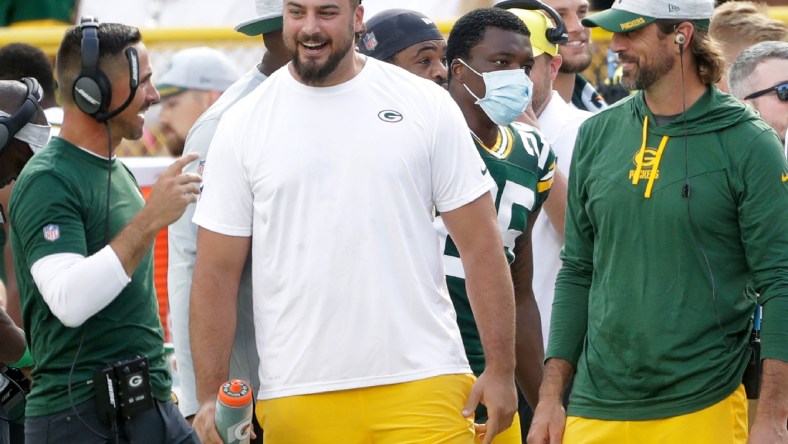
(200, 68)
(269, 18)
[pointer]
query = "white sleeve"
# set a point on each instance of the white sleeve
(459, 175)
(226, 203)
(77, 287)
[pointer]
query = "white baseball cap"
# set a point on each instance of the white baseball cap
(200, 68)
(269, 18)
(629, 15)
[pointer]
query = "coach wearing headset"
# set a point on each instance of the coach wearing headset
(676, 209)
(83, 253)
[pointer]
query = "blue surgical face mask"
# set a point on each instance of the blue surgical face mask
(507, 94)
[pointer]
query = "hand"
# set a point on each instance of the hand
(204, 423)
(768, 432)
(498, 394)
(172, 193)
(547, 426)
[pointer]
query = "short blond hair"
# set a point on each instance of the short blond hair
(745, 23)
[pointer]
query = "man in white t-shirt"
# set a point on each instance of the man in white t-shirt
(331, 171)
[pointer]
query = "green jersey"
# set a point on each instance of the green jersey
(522, 164)
(666, 226)
(59, 205)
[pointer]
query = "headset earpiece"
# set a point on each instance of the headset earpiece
(10, 125)
(555, 35)
(92, 90)
(680, 39)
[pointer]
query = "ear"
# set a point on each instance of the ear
(358, 20)
(683, 34)
(457, 70)
(555, 65)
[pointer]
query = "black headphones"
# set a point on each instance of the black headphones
(555, 35)
(92, 90)
(10, 125)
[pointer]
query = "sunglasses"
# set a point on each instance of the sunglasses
(782, 92)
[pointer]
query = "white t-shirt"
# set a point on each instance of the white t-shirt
(182, 244)
(337, 187)
(559, 122)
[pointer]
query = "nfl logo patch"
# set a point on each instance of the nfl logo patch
(52, 232)
(201, 167)
(370, 42)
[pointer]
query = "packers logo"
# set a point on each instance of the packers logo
(390, 116)
(646, 160)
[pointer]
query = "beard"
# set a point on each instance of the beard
(576, 64)
(647, 73)
(313, 72)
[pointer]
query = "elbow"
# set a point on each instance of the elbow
(68, 318)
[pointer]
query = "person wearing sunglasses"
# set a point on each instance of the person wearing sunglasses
(759, 77)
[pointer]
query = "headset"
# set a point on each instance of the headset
(92, 90)
(555, 35)
(10, 125)
(680, 39)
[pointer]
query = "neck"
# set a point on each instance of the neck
(272, 61)
(539, 109)
(351, 64)
(83, 131)
(564, 83)
(478, 122)
(667, 96)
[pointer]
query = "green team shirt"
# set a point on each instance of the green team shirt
(522, 165)
(59, 206)
(651, 305)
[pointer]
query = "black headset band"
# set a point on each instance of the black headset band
(557, 35)
(90, 46)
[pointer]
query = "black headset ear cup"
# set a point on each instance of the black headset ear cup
(10, 125)
(89, 95)
(680, 39)
(92, 90)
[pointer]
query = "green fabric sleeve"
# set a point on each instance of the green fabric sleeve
(762, 216)
(570, 305)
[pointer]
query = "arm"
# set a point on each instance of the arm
(550, 417)
(474, 229)
(12, 341)
(772, 414)
(555, 206)
(529, 353)
(13, 307)
(168, 199)
(764, 205)
(63, 278)
(212, 319)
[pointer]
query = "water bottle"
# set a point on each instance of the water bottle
(234, 412)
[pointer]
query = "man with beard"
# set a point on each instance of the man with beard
(485, 45)
(194, 80)
(676, 209)
(83, 241)
(331, 171)
(408, 39)
(576, 57)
